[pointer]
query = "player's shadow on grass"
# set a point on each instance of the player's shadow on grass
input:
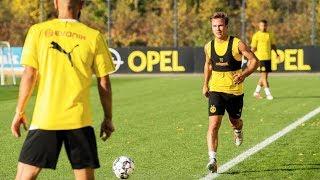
(297, 97)
(287, 167)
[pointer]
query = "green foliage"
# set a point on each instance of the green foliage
(127, 26)
(15, 18)
(151, 23)
(5, 16)
(95, 14)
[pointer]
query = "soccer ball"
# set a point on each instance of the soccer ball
(122, 167)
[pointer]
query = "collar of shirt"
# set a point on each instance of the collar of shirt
(68, 20)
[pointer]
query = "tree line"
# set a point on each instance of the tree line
(151, 22)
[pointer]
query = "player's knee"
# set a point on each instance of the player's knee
(213, 127)
(28, 175)
(236, 122)
(27, 172)
(81, 174)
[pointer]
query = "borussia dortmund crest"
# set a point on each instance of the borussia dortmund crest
(212, 109)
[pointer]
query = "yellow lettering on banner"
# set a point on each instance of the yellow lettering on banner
(153, 58)
(301, 65)
(165, 60)
(289, 59)
(143, 61)
(175, 62)
(275, 60)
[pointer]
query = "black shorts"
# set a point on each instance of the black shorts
(219, 102)
(42, 147)
(265, 66)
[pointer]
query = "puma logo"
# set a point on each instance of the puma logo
(60, 49)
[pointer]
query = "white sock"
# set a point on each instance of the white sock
(258, 88)
(237, 130)
(212, 155)
(267, 91)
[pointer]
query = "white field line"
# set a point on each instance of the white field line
(225, 167)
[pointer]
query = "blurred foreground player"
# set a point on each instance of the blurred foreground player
(62, 55)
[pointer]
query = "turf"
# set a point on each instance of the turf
(161, 122)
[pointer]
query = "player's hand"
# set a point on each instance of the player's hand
(238, 78)
(205, 91)
(18, 120)
(106, 129)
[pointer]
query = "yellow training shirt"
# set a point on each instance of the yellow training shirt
(263, 41)
(66, 54)
(223, 81)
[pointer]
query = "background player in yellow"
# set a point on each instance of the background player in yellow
(262, 44)
(61, 55)
(223, 82)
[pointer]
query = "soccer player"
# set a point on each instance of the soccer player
(223, 82)
(60, 56)
(262, 44)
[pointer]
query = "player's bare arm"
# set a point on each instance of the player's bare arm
(207, 74)
(253, 63)
(28, 80)
(104, 87)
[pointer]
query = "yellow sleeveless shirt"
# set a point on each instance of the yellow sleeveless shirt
(222, 81)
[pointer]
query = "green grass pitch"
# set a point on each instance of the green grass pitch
(161, 122)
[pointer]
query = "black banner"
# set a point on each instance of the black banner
(153, 60)
(191, 60)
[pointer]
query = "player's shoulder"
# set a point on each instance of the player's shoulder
(236, 44)
(236, 40)
(89, 29)
(54, 23)
(207, 46)
(256, 34)
(42, 25)
(39, 26)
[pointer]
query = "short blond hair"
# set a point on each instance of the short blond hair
(220, 15)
